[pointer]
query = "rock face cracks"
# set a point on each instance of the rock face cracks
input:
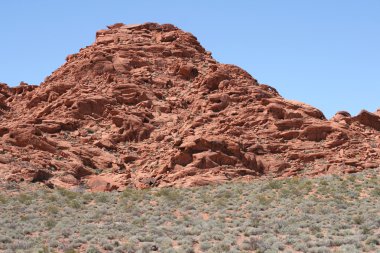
(146, 105)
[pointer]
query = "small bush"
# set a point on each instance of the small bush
(50, 223)
(205, 246)
(169, 194)
(3, 199)
(358, 219)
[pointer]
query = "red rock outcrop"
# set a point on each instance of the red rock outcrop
(146, 105)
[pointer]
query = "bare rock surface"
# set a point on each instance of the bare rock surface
(146, 105)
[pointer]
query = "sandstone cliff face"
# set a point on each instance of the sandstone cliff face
(146, 105)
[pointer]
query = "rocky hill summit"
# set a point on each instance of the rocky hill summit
(146, 105)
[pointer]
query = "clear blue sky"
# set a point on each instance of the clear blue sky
(323, 52)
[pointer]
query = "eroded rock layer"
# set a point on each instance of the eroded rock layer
(146, 105)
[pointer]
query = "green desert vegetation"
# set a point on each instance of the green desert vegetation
(324, 214)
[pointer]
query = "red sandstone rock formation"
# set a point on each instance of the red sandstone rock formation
(146, 105)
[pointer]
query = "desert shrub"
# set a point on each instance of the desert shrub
(373, 240)
(67, 193)
(251, 244)
(54, 244)
(186, 249)
(107, 246)
(3, 199)
(20, 245)
(25, 198)
(74, 204)
(300, 246)
(92, 249)
(165, 243)
(102, 197)
(275, 184)
(5, 239)
(358, 219)
(205, 246)
(70, 250)
(375, 192)
(169, 194)
(66, 232)
(52, 209)
(264, 199)
(50, 223)
(319, 250)
(134, 194)
(221, 247)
